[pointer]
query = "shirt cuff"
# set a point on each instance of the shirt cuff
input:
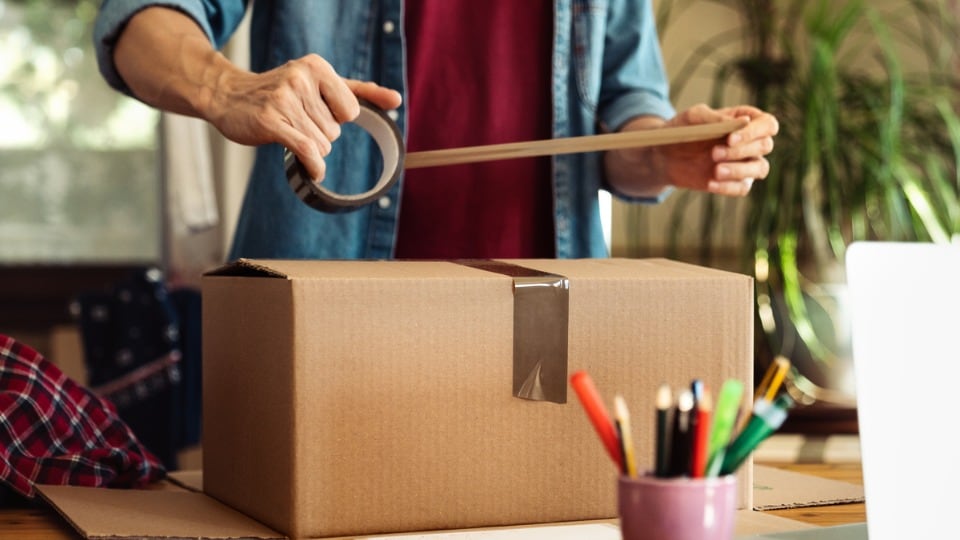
(634, 104)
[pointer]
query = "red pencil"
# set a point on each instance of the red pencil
(590, 399)
(701, 436)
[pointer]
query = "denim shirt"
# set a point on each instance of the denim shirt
(607, 68)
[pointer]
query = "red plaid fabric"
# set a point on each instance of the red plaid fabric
(54, 431)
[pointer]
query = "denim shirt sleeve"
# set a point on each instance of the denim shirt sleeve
(634, 78)
(217, 19)
(635, 81)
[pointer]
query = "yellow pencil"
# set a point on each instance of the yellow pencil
(782, 366)
(767, 389)
(772, 379)
(622, 417)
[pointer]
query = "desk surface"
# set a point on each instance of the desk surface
(45, 524)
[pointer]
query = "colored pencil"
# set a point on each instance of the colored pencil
(682, 436)
(593, 405)
(700, 449)
(664, 433)
(766, 419)
(724, 418)
(622, 415)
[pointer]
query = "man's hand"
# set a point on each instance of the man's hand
(168, 62)
(300, 105)
(725, 168)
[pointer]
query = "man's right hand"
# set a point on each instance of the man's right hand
(168, 62)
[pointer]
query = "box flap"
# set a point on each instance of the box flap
(348, 269)
(155, 513)
(622, 268)
(776, 488)
(245, 267)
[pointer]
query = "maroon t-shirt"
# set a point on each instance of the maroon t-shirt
(478, 73)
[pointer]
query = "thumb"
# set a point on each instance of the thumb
(385, 98)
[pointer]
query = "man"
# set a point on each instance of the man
(454, 73)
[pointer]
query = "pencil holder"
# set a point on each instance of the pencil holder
(652, 508)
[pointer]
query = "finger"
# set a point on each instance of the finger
(739, 170)
(302, 103)
(305, 148)
(334, 91)
(322, 122)
(748, 111)
(698, 114)
(749, 150)
(738, 188)
(759, 127)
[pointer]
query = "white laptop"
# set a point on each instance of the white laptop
(905, 307)
(904, 301)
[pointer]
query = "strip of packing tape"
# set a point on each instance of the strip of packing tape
(385, 133)
(541, 315)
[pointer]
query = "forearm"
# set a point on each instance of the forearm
(168, 62)
(637, 173)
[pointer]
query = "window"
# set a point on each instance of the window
(79, 174)
(80, 188)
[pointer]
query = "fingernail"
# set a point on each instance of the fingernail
(735, 138)
(723, 172)
(719, 153)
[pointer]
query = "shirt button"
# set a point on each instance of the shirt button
(384, 202)
(393, 114)
(388, 27)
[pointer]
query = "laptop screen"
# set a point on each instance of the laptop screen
(905, 309)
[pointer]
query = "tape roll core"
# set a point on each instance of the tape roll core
(385, 133)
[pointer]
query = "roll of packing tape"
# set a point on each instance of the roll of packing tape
(385, 133)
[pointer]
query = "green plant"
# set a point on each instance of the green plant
(868, 148)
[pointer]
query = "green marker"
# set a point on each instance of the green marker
(767, 418)
(725, 416)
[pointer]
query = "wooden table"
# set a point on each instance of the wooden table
(45, 524)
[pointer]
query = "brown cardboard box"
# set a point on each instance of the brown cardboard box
(360, 397)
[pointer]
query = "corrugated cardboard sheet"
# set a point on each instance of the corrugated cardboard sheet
(175, 513)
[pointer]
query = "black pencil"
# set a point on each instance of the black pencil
(682, 435)
(664, 430)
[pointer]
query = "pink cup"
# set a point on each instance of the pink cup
(653, 508)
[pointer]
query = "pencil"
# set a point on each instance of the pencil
(724, 419)
(664, 432)
(697, 387)
(597, 413)
(622, 415)
(767, 418)
(701, 436)
(696, 390)
(772, 378)
(783, 365)
(682, 437)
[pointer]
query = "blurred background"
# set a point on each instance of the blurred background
(105, 203)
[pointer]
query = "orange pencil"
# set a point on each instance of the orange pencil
(590, 399)
(700, 453)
